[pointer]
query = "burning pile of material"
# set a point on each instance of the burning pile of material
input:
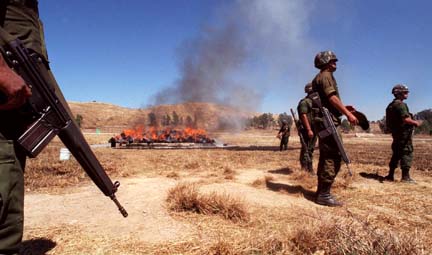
(167, 135)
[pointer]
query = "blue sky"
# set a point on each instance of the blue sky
(254, 53)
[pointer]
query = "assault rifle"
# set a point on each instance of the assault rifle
(330, 129)
(46, 115)
(299, 127)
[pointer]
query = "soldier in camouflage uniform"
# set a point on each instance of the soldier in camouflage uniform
(401, 125)
(283, 135)
(305, 112)
(20, 19)
(330, 159)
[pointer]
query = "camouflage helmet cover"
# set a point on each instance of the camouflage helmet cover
(323, 58)
(308, 88)
(399, 89)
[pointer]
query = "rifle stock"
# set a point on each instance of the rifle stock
(47, 116)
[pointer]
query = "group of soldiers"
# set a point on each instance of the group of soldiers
(399, 121)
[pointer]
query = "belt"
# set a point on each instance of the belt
(32, 4)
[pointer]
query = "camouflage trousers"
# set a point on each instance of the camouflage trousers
(284, 143)
(306, 153)
(403, 149)
(11, 196)
(20, 21)
(329, 160)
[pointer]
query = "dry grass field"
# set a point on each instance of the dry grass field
(248, 199)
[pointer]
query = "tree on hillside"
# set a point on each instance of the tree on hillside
(189, 121)
(285, 117)
(175, 118)
(152, 119)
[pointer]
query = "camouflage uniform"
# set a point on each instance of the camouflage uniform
(330, 158)
(306, 153)
(284, 133)
(20, 19)
(402, 145)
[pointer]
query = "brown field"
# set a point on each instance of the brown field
(251, 199)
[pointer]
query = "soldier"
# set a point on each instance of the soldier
(19, 18)
(283, 135)
(330, 159)
(399, 121)
(305, 113)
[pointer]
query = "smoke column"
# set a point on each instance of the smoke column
(252, 46)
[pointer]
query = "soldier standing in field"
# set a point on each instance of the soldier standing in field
(283, 135)
(330, 159)
(305, 113)
(399, 121)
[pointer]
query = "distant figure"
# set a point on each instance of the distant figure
(283, 135)
(330, 159)
(305, 113)
(399, 121)
(113, 142)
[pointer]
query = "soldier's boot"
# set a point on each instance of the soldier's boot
(406, 176)
(390, 176)
(324, 197)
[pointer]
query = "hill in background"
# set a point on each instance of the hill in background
(112, 117)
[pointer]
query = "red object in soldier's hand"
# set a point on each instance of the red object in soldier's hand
(350, 108)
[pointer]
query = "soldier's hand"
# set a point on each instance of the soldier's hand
(14, 90)
(352, 119)
(310, 133)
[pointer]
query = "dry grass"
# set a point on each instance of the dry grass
(353, 235)
(277, 217)
(185, 197)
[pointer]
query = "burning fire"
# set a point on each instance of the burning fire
(168, 135)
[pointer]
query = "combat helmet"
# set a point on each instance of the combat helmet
(323, 58)
(308, 88)
(399, 89)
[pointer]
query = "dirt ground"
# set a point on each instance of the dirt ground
(79, 219)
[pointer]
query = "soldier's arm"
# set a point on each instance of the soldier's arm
(306, 124)
(410, 121)
(337, 103)
(12, 86)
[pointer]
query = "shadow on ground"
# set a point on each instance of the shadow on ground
(285, 170)
(374, 176)
(291, 189)
(37, 246)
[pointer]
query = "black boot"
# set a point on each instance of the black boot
(390, 176)
(406, 176)
(324, 197)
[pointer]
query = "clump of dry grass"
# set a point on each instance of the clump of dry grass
(185, 197)
(350, 235)
(229, 173)
(261, 182)
(173, 175)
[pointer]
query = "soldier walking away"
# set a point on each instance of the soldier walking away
(329, 163)
(305, 113)
(19, 18)
(399, 121)
(283, 135)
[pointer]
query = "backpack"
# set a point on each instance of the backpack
(390, 119)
